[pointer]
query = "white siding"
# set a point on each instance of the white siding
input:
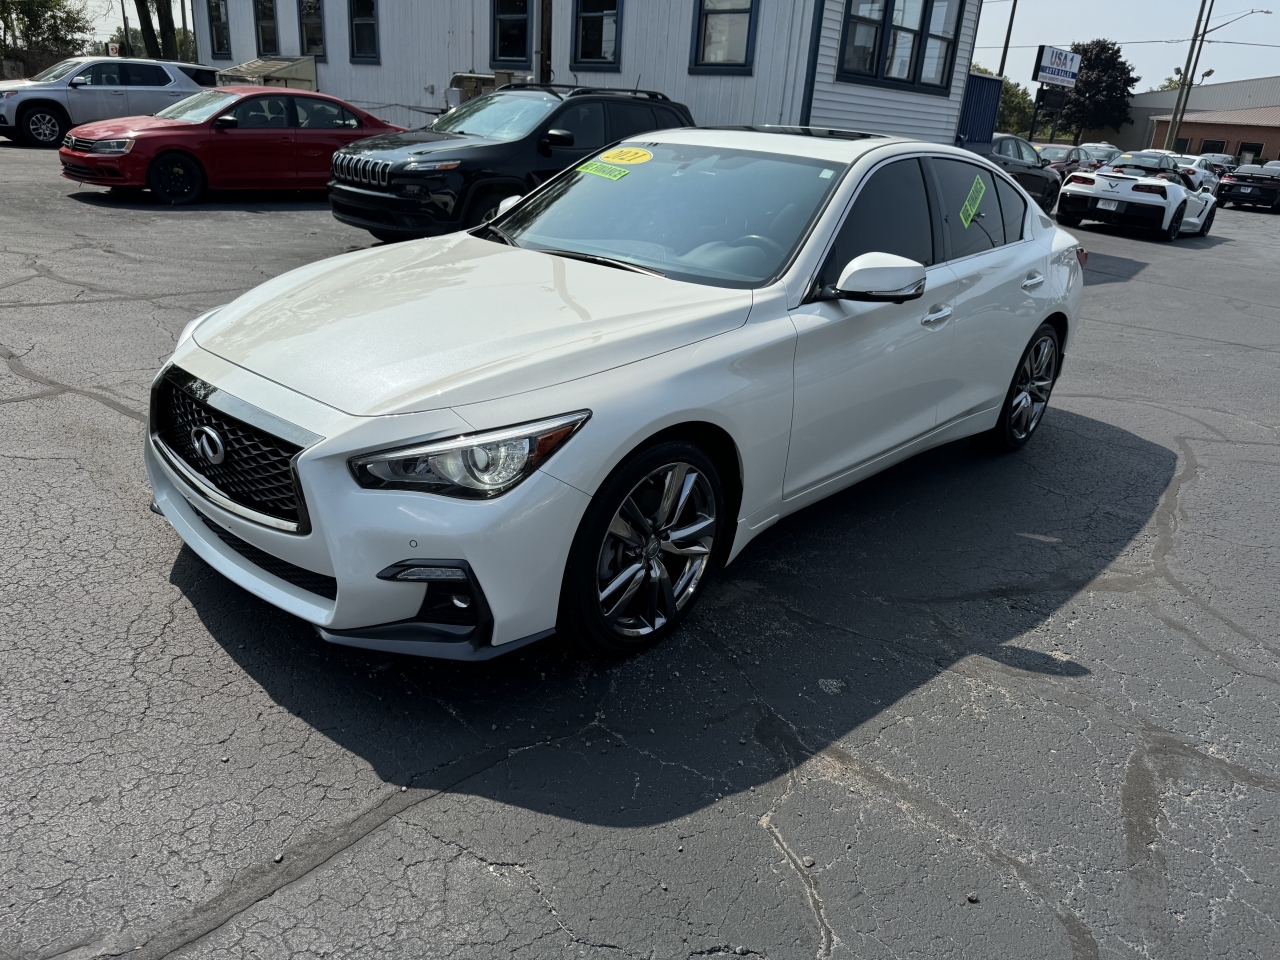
(852, 106)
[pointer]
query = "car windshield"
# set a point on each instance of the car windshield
(713, 215)
(498, 116)
(198, 107)
(1054, 154)
(57, 71)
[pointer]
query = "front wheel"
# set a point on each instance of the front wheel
(1171, 232)
(1028, 395)
(176, 178)
(644, 549)
(44, 126)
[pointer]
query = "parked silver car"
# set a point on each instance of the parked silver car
(41, 110)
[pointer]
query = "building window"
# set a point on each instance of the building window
(1250, 153)
(1213, 146)
(1181, 145)
(510, 34)
(724, 36)
(264, 19)
(311, 25)
(596, 35)
(364, 31)
(219, 30)
(900, 43)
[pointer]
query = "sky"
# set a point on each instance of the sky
(1059, 24)
(106, 15)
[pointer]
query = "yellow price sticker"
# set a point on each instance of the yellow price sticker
(627, 155)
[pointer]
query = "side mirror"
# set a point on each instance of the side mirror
(880, 278)
(227, 121)
(1044, 161)
(557, 138)
(508, 203)
(78, 81)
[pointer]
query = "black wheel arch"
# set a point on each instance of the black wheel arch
(1059, 323)
(53, 106)
(482, 187)
(187, 154)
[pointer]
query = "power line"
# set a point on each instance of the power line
(1126, 43)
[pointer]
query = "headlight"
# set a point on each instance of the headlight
(421, 166)
(477, 466)
(112, 146)
(190, 328)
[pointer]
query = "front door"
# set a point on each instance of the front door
(151, 89)
(323, 127)
(586, 122)
(868, 376)
(101, 96)
(259, 153)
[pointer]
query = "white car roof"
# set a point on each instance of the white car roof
(816, 143)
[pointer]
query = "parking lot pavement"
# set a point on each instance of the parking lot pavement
(978, 706)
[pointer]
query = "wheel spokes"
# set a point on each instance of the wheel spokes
(673, 491)
(631, 578)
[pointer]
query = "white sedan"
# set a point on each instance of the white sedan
(1145, 189)
(1199, 170)
(567, 418)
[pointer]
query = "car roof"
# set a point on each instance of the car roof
(814, 143)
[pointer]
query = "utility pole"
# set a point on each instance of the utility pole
(1004, 54)
(1186, 76)
(126, 48)
(1176, 123)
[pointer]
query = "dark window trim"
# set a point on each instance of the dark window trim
(724, 69)
(595, 66)
(494, 62)
(257, 32)
(351, 35)
(302, 36)
(213, 52)
(913, 85)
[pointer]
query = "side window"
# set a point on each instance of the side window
(204, 78)
(891, 215)
(970, 209)
(628, 119)
(314, 114)
(106, 75)
(262, 113)
(1013, 209)
(586, 122)
(667, 117)
(1028, 152)
(146, 75)
(1007, 148)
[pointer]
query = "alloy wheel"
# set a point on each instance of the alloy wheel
(44, 127)
(1032, 388)
(656, 549)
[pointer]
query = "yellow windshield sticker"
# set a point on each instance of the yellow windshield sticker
(970, 208)
(627, 155)
(603, 170)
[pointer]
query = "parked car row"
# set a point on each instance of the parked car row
(1146, 189)
(1253, 186)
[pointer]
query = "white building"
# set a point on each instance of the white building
(881, 66)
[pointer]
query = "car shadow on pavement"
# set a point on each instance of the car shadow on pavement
(1149, 236)
(822, 624)
(249, 201)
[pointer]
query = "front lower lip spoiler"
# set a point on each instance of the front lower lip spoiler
(424, 640)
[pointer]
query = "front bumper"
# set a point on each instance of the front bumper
(513, 549)
(389, 212)
(122, 170)
(1127, 213)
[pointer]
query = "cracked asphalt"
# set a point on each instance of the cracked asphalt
(976, 707)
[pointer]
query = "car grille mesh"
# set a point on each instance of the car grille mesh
(257, 469)
(361, 170)
(78, 143)
(308, 580)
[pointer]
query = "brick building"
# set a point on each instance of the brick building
(1247, 134)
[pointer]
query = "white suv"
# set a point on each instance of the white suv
(41, 110)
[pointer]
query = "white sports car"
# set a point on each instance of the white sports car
(566, 418)
(1143, 189)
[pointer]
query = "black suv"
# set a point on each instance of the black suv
(453, 174)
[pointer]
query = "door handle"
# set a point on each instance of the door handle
(936, 315)
(1033, 281)
(117, 93)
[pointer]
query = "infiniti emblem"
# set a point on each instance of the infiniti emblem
(208, 444)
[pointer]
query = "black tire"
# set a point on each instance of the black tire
(657, 574)
(1068, 221)
(1174, 229)
(176, 178)
(43, 125)
(1029, 391)
(1208, 222)
(1050, 201)
(484, 206)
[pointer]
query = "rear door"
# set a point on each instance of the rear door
(260, 152)
(1002, 284)
(150, 88)
(586, 122)
(323, 127)
(102, 95)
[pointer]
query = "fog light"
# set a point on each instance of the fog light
(431, 573)
(461, 601)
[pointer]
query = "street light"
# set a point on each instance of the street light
(1193, 64)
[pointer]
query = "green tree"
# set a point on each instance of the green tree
(1015, 104)
(1169, 83)
(1100, 98)
(39, 33)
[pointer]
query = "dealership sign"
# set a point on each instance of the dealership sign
(1057, 66)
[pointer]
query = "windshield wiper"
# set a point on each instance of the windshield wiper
(603, 261)
(500, 234)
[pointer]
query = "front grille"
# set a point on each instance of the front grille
(78, 143)
(79, 170)
(361, 171)
(308, 580)
(257, 468)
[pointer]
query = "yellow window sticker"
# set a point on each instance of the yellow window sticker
(970, 208)
(603, 170)
(627, 155)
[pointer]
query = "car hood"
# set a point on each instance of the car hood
(455, 320)
(415, 143)
(128, 127)
(20, 85)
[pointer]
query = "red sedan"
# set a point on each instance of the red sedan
(228, 138)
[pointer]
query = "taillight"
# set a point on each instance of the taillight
(1227, 176)
(1077, 178)
(1150, 188)
(1189, 171)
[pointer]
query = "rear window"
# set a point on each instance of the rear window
(205, 78)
